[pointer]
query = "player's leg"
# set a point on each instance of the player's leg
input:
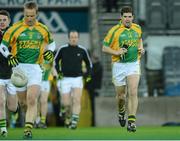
(77, 87)
(12, 102)
(32, 95)
(3, 122)
(132, 83)
(76, 106)
(34, 74)
(121, 100)
(119, 81)
(22, 93)
(44, 103)
(64, 88)
(66, 103)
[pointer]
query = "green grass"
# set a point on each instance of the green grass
(111, 133)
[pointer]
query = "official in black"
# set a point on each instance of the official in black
(68, 63)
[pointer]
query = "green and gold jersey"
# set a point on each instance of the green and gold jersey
(118, 36)
(28, 43)
(47, 67)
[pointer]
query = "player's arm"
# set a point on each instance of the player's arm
(89, 65)
(111, 51)
(4, 50)
(87, 61)
(48, 54)
(109, 41)
(57, 63)
(12, 60)
(140, 47)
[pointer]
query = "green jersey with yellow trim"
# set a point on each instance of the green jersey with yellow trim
(28, 43)
(118, 36)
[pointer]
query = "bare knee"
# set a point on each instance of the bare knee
(43, 102)
(76, 101)
(12, 107)
(23, 104)
(31, 102)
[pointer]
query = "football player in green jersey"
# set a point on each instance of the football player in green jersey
(43, 97)
(31, 42)
(124, 43)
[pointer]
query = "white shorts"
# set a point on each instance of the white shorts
(34, 74)
(121, 70)
(45, 86)
(67, 83)
(11, 89)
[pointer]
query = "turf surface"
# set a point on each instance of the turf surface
(110, 133)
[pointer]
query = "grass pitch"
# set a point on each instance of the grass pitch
(110, 133)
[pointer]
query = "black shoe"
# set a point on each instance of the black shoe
(122, 119)
(42, 125)
(131, 127)
(27, 134)
(4, 133)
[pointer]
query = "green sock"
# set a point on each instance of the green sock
(121, 106)
(3, 123)
(28, 125)
(75, 119)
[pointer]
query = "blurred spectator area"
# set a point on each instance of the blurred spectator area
(162, 64)
(160, 14)
(112, 5)
(171, 70)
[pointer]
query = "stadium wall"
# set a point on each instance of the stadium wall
(151, 111)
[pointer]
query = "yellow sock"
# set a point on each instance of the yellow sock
(43, 119)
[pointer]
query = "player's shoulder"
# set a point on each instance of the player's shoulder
(115, 27)
(14, 27)
(64, 46)
(82, 47)
(43, 26)
(136, 25)
(18, 23)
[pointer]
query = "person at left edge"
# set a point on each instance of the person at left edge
(28, 39)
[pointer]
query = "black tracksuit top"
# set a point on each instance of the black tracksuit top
(68, 60)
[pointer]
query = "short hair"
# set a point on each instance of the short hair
(73, 30)
(5, 13)
(126, 9)
(31, 5)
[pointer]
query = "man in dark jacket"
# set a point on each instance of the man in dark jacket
(68, 63)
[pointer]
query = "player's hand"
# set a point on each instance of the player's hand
(12, 61)
(141, 50)
(88, 78)
(121, 51)
(60, 75)
(48, 55)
